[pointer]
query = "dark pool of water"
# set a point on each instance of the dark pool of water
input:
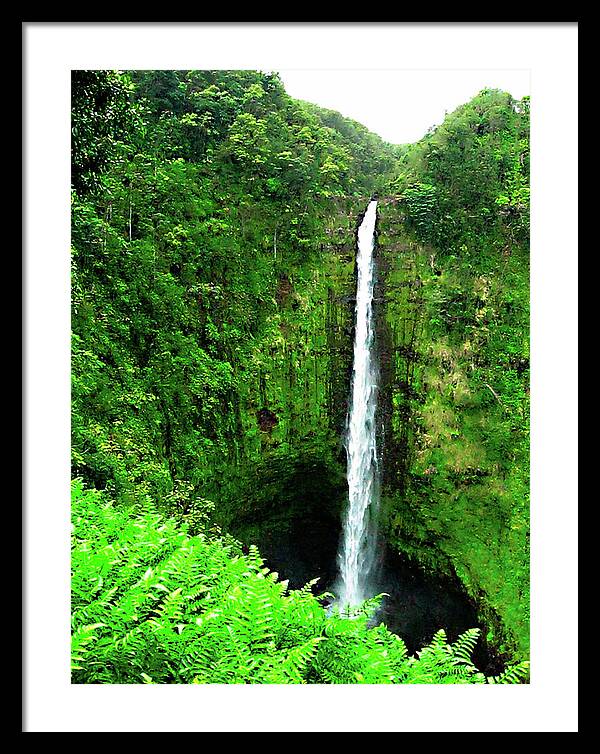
(417, 604)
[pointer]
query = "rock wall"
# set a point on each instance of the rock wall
(452, 434)
(453, 336)
(287, 490)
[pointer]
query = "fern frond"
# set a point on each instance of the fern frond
(152, 604)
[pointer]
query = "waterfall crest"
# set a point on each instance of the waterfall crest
(358, 551)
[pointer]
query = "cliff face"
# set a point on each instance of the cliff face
(305, 356)
(286, 490)
(454, 358)
(452, 349)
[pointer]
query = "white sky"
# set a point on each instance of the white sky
(399, 105)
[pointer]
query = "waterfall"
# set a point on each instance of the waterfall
(358, 551)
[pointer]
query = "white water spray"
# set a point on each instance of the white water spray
(358, 552)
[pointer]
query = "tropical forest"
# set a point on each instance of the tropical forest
(299, 388)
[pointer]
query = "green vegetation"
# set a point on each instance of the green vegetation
(201, 295)
(152, 604)
(455, 251)
(466, 184)
(213, 222)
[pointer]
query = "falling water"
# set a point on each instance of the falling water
(357, 555)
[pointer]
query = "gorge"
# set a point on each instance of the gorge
(220, 310)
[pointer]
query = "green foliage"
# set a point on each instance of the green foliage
(458, 314)
(420, 200)
(153, 604)
(101, 114)
(468, 180)
(217, 193)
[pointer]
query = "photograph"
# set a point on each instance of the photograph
(300, 383)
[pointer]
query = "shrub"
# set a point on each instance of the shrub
(152, 604)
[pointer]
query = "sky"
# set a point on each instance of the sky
(399, 105)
